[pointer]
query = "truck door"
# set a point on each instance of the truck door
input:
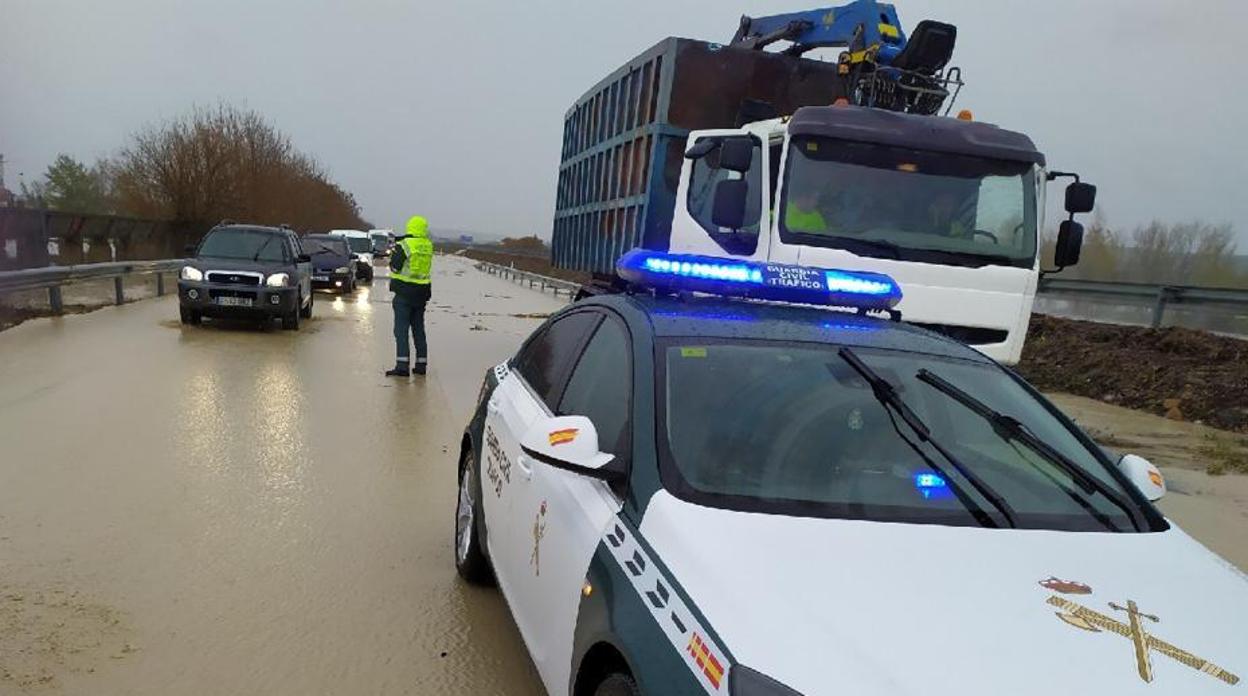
(569, 512)
(529, 391)
(714, 173)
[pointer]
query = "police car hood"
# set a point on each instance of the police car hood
(866, 608)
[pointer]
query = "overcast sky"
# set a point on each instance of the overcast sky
(454, 109)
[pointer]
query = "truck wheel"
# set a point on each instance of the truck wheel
(470, 560)
(617, 684)
(190, 316)
(306, 312)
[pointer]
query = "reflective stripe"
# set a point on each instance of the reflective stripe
(698, 649)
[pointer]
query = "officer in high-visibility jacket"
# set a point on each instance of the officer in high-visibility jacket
(411, 267)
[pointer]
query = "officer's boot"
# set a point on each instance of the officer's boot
(400, 369)
(420, 366)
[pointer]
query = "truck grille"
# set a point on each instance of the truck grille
(234, 278)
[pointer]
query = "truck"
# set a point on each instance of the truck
(737, 151)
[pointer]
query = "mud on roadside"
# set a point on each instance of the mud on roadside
(1182, 374)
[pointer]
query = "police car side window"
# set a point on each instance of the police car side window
(545, 359)
(600, 387)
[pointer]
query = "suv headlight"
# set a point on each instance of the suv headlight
(191, 273)
(342, 269)
(277, 280)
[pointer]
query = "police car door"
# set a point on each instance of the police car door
(568, 512)
(526, 394)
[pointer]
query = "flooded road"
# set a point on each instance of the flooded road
(226, 510)
(231, 511)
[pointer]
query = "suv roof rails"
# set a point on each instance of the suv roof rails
(226, 221)
(286, 226)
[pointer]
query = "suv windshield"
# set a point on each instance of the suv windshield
(876, 200)
(242, 243)
(360, 245)
(792, 428)
(317, 245)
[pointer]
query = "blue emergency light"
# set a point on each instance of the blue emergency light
(760, 280)
(931, 485)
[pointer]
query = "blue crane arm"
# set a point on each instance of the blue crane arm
(859, 25)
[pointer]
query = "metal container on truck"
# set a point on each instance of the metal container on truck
(624, 140)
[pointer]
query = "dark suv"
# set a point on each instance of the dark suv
(247, 271)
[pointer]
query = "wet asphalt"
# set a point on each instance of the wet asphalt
(225, 509)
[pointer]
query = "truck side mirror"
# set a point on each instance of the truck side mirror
(736, 154)
(1080, 197)
(1144, 475)
(729, 205)
(1069, 242)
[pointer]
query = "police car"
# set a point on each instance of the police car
(686, 494)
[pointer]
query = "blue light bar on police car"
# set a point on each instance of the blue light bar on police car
(759, 280)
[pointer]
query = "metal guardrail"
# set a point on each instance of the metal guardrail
(54, 277)
(1159, 295)
(555, 285)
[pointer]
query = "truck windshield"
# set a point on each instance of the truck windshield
(890, 202)
(253, 245)
(792, 428)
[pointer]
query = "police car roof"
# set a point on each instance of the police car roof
(716, 317)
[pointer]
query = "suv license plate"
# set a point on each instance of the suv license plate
(228, 301)
(320, 277)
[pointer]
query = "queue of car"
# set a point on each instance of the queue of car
(730, 494)
(261, 273)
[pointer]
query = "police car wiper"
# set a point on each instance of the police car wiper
(888, 397)
(1010, 428)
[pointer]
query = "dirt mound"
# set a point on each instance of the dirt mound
(1175, 372)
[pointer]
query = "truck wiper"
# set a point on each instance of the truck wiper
(850, 243)
(1010, 428)
(888, 397)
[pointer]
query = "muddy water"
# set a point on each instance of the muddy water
(225, 510)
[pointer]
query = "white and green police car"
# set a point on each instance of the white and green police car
(684, 495)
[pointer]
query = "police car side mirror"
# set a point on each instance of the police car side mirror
(570, 443)
(1143, 474)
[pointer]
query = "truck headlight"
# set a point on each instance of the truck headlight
(277, 280)
(744, 681)
(342, 269)
(191, 273)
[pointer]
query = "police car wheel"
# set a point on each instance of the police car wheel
(617, 684)
(470, 560)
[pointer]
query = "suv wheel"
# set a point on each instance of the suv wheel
(306, 312)
(470, 560)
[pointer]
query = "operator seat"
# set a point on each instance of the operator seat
(929, 48)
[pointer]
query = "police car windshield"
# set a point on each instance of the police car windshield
(253, 245)
(923, 206)
(792, 428)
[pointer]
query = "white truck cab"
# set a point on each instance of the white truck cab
(948, 207)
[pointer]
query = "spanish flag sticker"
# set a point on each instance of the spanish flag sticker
(561, 437)
(705, 660)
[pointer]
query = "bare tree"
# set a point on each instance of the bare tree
(221, 162)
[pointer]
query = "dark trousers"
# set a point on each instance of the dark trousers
(409, 315)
